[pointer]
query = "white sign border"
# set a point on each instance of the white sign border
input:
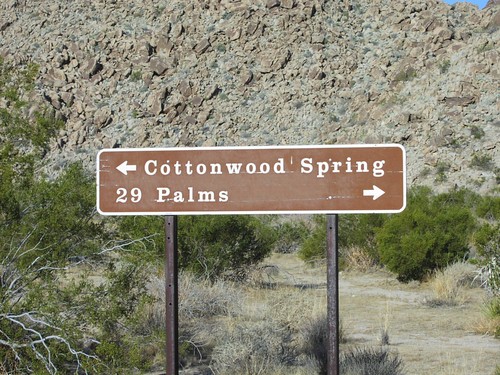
(215, 148)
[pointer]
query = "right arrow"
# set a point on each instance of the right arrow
(376, 192)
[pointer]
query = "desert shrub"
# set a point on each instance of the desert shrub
(314, 335)
(289, 236)
(254, 348)
(44, 226)
(354, 231)
(482, 161)
(449, 284)
(57, 232)
(489, 323)
(222, 246)
(356, 258)
(210, 246)
(370, 361)
(53, 318)
(487, 241)
(493, 314)
(314, 246)
(199, 298)
(489, 208)
(432, 232)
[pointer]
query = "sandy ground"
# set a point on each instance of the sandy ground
(430, 340)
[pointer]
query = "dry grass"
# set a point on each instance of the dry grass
(358, 259)
(489, 323)
(248, 329)
(199, 298)
(486, 326)
(253, 348)
(450, 284)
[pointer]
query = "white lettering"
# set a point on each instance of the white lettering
(188, 167)
(216, 168)
(201, 169)
(306, 165)
(264, 168)
(279, 166)
(362, 166)
(165, 168)
(191, 194)
(147, 169)
(177, 167)
(378, 170)
(335, 166)
(251, 168)
(348, 166)
(234, 168)
(163, 193)
(178, 197)
(322, 168)
(223, 196)
(206, 196)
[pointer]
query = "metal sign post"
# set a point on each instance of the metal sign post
(332, 294)
(171, 296)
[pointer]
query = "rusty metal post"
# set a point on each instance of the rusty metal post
(332, 294)
(171, 295)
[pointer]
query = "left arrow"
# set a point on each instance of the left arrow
(125, 167)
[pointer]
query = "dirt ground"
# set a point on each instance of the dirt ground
(430, 340)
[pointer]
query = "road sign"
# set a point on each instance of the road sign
(237, 180)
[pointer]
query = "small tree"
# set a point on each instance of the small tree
(210, 246)
(48, 227)
(432, 232)
(354, 230)
(222, 246)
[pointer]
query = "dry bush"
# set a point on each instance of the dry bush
(201, 298)
(263, 276)
(489, 323)
(314, 339)
(486, 326)
(372, 361)
(198, 298)
(199, 302)
(449, 285)
(265, 337)
(358, 259)
(253, 348)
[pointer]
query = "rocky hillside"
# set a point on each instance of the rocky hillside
(167, 73)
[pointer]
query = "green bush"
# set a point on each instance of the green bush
(211, 246)
(289, 236)
(222, 246)
(52, 317)
(489, 208)
(354, 230)
(314, 246)
(432, 232)
(492, 312)
(487, 241)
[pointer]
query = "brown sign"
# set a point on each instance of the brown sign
(223, 180)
